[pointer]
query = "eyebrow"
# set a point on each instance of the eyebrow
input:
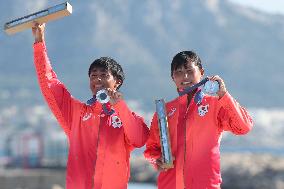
(99, 69)
(187, 68)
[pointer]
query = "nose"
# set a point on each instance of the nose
(186, 75)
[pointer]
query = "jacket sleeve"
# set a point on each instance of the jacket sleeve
(232, 117)
(153, 146)
(135, 130)
(56, 95)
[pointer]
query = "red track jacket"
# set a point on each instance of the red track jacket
(195, 134)
(98, 150)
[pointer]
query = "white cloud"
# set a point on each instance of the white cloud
(271, 6)
(153, 17)
(268, 117)
(176, 5)
(4, 94)
(135, 106)
(214, 7)
(267, 132)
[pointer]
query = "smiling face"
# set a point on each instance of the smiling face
(101, 78)
(187, 75)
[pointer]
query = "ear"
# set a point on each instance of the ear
(118, 82)
(202, 72)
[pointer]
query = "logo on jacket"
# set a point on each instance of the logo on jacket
(173, 110)
(202, 110)
(87, 116)
(116, 122)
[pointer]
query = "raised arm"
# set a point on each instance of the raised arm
(56, 95)
(232, 117)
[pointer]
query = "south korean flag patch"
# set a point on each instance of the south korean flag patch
(115, 121)
(203, 110)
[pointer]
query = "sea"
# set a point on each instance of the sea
(141, 186)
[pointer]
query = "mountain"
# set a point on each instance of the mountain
(241, 45)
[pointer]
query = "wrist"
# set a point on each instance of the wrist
(39, 39)
(221, 94)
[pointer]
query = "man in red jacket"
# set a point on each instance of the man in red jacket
(100, 142)
(196, 122)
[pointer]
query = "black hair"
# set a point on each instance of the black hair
(182, 58)
(111, 65)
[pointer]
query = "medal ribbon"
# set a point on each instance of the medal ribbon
(189, 89)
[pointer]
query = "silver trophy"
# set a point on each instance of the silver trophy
(43, 16)
(167, 158)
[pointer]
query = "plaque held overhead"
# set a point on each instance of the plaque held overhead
(43, 16)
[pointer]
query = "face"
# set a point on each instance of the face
(102, 79)
(187, 75)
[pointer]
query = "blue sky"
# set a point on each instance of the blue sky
(270, 6)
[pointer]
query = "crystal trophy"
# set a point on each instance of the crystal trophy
(167, 158)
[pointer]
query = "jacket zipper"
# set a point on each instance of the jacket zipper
(98, 138)
(184, 156)
(185, 129)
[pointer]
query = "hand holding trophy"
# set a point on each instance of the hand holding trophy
(38, 32)
(211, 87)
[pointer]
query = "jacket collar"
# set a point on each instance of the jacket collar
(197, 96)
(91, 101)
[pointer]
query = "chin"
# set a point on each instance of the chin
(180, 89)
(94, 92)
(185, 86)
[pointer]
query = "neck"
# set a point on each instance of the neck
(190, 96)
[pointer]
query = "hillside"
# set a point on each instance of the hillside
(242, 45)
